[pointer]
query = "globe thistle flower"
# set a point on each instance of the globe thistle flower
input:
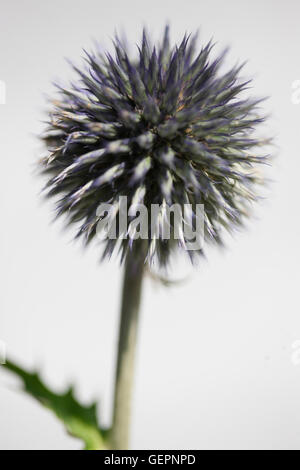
(165, 127)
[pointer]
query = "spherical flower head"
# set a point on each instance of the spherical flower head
(160, 129)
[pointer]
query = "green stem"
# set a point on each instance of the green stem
(131, 296)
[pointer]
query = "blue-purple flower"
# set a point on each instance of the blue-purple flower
(164, 127)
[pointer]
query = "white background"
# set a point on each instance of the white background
(215, 366)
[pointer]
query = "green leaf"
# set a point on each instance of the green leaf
(80, 421)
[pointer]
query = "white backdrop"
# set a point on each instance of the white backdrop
(216, 366)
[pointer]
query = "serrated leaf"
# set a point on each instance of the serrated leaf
(80, 421)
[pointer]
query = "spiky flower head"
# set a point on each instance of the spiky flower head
(165, 127)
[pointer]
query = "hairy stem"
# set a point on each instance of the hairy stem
(131, 296)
